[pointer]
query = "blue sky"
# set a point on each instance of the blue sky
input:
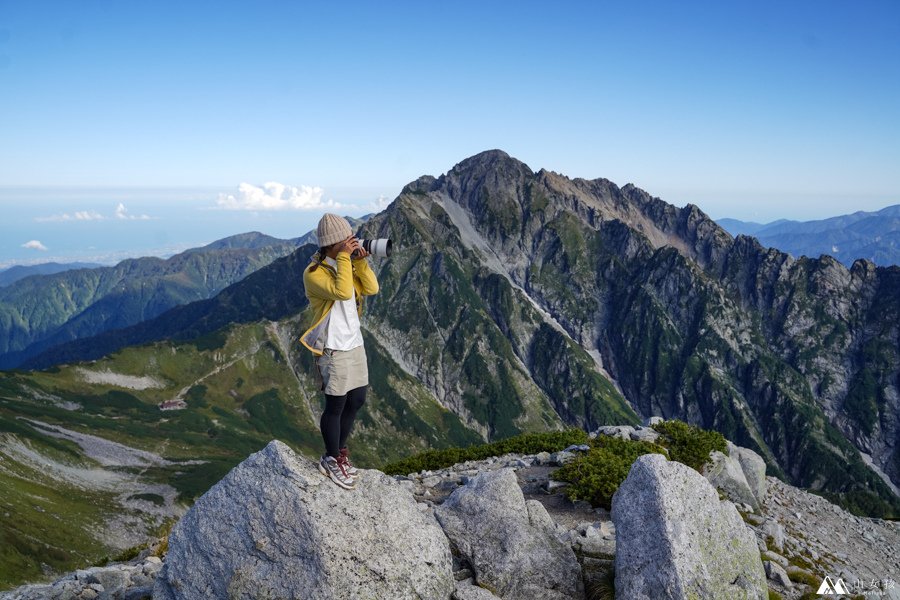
(750, 110)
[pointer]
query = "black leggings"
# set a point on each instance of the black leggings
(337, 420)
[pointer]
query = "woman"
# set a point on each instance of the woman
(335, 283)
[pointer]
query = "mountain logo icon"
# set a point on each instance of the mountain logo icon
(831, 587)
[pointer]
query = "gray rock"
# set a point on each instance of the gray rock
(466, 590)
(775, 557)
(139, 593)
(578, 448)
(593, 541)
(511, 544)
(776, 573)
(552, 486)
(645, 434)
(275, 527)
(676, 539)
(431, 481)
(725, 473)
(620, 431)
(562, 458)
(651, 421)
(772, 528)
(754, 468)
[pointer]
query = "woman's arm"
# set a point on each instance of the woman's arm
(365, 274)
(322, 285)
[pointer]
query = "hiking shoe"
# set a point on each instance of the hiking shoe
(344, 459)
(331, 468)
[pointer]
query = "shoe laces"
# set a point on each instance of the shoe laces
(343, 463)
(345, 457)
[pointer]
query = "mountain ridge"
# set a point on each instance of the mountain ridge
(601, 301)
(871, 235)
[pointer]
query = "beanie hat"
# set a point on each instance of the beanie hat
(332, 229)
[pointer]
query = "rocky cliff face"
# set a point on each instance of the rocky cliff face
(526, 289)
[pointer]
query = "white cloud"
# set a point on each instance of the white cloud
(35, 245)
(122, 213)
(275, 196)
(92, 215)
(81, 215)
(380, 204)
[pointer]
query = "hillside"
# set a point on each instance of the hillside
(17, 272)
(37, 313)
(874, 236)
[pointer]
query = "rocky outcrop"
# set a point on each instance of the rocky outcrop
(511, 544)
(275, 527)
(724, 472)
(754, 469)
(806, 536)
(675, 539)
(132, 581)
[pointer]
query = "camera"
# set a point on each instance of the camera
(380, 247)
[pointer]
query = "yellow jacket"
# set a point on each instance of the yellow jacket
(325, 286)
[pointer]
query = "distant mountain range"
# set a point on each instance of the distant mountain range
(17, 272)
(41, 310)
(514, 301)
(874, 236)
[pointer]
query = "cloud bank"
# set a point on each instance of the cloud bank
(121, 213)
(275, 196)
(82, 215)
(35, 245)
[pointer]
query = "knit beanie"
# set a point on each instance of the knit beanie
(332, 229)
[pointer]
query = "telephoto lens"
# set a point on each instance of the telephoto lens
(381, 247)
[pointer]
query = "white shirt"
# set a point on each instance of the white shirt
(343, 332)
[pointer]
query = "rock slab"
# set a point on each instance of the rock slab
(675, 539)
(511, 544)
(274, 527)
(725, 473)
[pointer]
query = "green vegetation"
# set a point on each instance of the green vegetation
(804, 577)
(526, 443)
(689, 444)
(77, 303)
(596, 475)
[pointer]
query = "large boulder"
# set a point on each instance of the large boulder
(754, 468)
(676, 539)
(512, 546)
(274, 527)
(724, 472)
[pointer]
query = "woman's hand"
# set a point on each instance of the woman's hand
(360, 251)
(349, 245)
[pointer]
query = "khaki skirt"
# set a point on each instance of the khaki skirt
(342, 371)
